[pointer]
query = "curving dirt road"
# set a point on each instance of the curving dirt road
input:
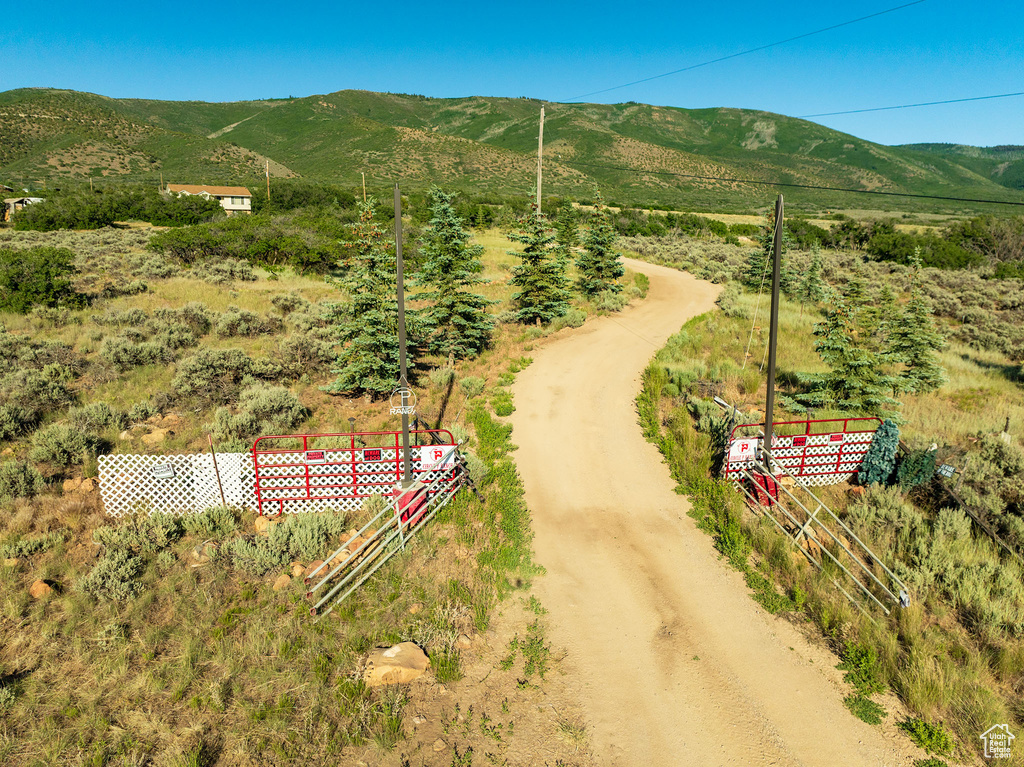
(675, 663)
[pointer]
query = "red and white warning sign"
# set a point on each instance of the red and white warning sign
(743, 450)
(432, 457)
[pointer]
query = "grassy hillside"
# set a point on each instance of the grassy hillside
(482, 145)
(1003, 164)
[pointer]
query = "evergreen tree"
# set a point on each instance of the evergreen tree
(915, 340)
(758, 271)
(567, 232)
(813, 288)
(365, 323)
(599, 266)
(540, 277)
(856, 379)
(457, 322)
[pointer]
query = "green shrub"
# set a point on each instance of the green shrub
(573, 318)
(141, 534)
(125, 354)
(26, 547)
(37, 277)
(140, 411)
(115, 577)
(864, 708)
(915, 468)
(301, 536)
(643, 283)
(502, 403)
(305, 352)
(729, 302)
(933, 738)
(262, 409)
(472, 386)
(133, 317)
(447, 665)
(286, 303)
(880, 459)
(215, 522)
(860, 662)
(62, 445)
(216, 375)
(242, 322)
(95, 417)
(610, 301)
(18, 480)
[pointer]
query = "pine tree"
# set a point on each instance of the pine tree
(365, 323)
(813, 288)
(758, 271)
(856, 379)
(914, 340)
(457, 322)
(540, 277)
(567, 232)
(599, 266)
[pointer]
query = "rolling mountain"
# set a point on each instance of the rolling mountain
(634, 153)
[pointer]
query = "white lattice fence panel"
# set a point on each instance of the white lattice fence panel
(142, 483)
(174, 484)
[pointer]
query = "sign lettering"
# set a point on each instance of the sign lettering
(371, 455)
(316, 456)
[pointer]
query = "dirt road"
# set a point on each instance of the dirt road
(675, 663)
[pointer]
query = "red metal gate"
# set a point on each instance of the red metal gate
(316, 471)
(821, 452)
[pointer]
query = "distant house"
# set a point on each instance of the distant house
(234, 199)
(12, 204)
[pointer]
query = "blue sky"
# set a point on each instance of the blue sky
(937, 49)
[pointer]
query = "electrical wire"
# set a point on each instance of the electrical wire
(747, 52)
(765, 182)
(911, 106)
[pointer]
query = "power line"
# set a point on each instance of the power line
(764, 182)
(910, 106)
(747, 52)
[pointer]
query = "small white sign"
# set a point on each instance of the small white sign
(432, 457)
(162, 471)
(316, 456)
(743, 450)
(998, 742)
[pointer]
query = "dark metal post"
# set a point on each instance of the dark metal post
(773, 332)
(404, 378)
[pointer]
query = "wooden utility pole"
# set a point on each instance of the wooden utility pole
(540, 158)
(403, 381)
(773, 331)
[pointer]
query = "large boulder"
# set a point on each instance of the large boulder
(399, 664)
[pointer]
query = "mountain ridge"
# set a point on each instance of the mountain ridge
(484, 145)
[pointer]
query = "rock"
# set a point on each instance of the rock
(313, 566)
(298, 569)
(354, 544)
(169, 421)
(787, 480)
(153, 419)
(463, 642)
(399, 664)
(263, 524)
(125, 436)
(11, 562)
(156, 437)
(415, 608)
(204, 552)
(282, 582)
(40, 589)
(418, 719)
(7, 451)
(857, 491)
(87, 486)
(439, 746)
(71, 485)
